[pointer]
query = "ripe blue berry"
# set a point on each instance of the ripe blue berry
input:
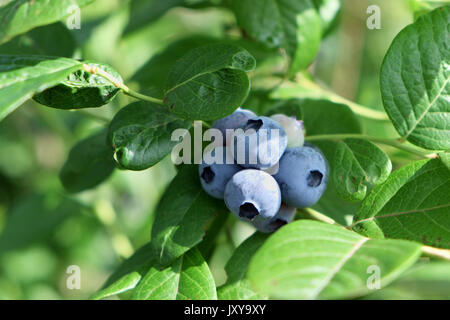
(231, 122)
(302, 176)
(215, 176)
(253, 195)
(260, 144)
(293, 128)
(284, 216)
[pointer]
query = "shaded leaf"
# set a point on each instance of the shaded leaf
(188, 278)
(144, 12)
(90, 162)
(19, 16)
(413, 204)
(183, 215)
(141, 133)
(313, 260)
(415, 81)
(357, 163)
(34, 218)
(41, 41)
(209, 82)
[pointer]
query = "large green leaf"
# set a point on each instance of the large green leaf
(19, 16)
(82, 89)
(36, 217)
(209, 82)
(90, 162)
(413, 204)
(141, 133)
(237, 286)
(313, 260)
(357, 163)
(183, 215)
(128, 274)
(21, 77)
(293, 25)
(188, 278)
(423, 281)
(415, 81)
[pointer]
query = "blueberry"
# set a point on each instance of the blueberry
(284, 216)
(253, 195)
(214, 175)
(302, 176)
(293, 128)
(231, 122)
(259, 143)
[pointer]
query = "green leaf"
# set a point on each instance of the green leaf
(415, 81)
(357, 163)
(34, 218)
(312, 113)
(188, 278)
(183, 215)
(413, 204)
(445, 158)
(129, 273)
(82, 89)
(21, 77)
(210, 240)
(144, 12)
(41, 41)
(313, 260)
(153, 74)
(90, 162)
(424, 281)
(19, 16)
(141, 133)
(328, 11)
(293, 25)
(209, 82)
(237, 286)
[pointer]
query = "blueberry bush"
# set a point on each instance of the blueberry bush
(92, 93)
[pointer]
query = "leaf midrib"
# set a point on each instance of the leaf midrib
(338, 267)
(427, 109)
(400, 213)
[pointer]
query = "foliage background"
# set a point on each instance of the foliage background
(99, 228)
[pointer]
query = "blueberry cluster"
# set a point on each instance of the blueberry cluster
(264, 171)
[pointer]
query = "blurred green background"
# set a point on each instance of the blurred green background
(43, 229)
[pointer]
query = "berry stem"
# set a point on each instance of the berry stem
(118, 84)
(436, 252)
(356, 108)
(389, 142)
(309, 213)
